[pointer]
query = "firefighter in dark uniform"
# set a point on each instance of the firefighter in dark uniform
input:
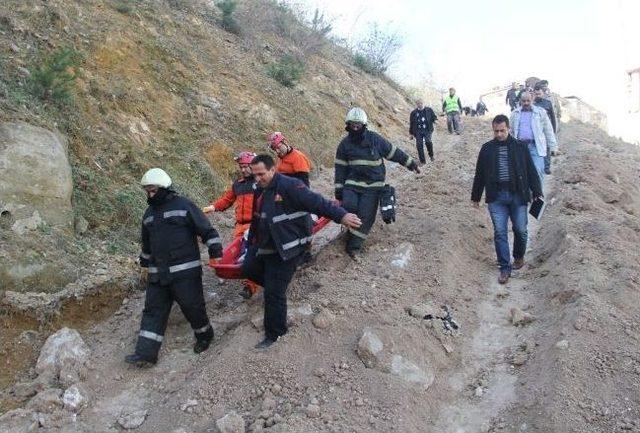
(360, 173)
(280, 231)
(171, 226)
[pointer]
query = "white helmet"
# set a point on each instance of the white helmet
(356, 114)
(157, 177)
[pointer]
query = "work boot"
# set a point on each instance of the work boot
(504, 277)
(139, 361)
(265, 344)
(202, 345)
(518, 263)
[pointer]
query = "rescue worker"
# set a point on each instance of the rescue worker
(452, 107)
(280, 231)
(241, 195)
(360, 173)
(291, 162)
(171, 226)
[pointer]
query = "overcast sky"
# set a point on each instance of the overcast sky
(583, 47)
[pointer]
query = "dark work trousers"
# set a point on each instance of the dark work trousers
(187, 293)
(274, 275)
(424, 138)
(363, 203)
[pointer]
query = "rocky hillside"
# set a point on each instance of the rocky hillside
(94, 92)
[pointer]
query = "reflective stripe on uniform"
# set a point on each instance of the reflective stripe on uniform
(145, 256)
(386, 207)
(151, 336)
(392, 151)
(203, 329)
(357, 233)
(364, 184)
(297, 242)
(184, 266)
(152, 270)
(291, 216)
(213, 241)
(263, 215)
(148, 220)
(366, 162)
(340, 162)
(338, 185)
(172, 213)
(409, 161)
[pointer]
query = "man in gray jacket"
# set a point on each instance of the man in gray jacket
(531, 125)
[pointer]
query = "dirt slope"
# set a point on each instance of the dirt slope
(573, 369)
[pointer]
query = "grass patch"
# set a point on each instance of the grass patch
(287, 71)
(54, 79)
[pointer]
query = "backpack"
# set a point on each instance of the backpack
(388, 204)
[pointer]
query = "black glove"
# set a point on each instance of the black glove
(414, 167)
(215, 251)
(338, 194)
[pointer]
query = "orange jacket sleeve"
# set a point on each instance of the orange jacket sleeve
(301, 164)
(226, 201)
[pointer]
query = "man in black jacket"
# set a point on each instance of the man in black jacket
(542, 102)
(505, 171)
(512, 97)
(421, 122)
(171, 226)
(281, 230)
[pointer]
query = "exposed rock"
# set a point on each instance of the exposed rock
(230, 423)
(562, 344)
(75, 398)
(520, 318)
(323, 319)
(370, 348)
(63, 351)
(81, 225)
(46, 401)
(35, 174)
(402, 255)
(132, 420)
(410, 372)
(26, 390)
(313, 411)
(423, 310)
(18, 421)
(25, 225)
(188, 405)
(24, 72)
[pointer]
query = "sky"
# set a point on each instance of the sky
(583, 47)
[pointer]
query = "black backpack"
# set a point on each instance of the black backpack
(388, 204)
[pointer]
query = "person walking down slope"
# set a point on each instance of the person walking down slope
(280, 231)
(291, 162)
(171, 226)
(452, 107)
(532, 125)
(240, 195)
(481, 108)
(421, 121)
(542, 102)
(512, 97)
(506, 173)
(360, 173)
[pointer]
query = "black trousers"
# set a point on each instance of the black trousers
(363, 203)
(274, 275)
(422, 139)
(157, 306)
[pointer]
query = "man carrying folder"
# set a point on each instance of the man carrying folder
(506, 172)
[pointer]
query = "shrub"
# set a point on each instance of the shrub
(55, 79)
(123, 6)
(228, 21)
(376, 52)
(287, 71)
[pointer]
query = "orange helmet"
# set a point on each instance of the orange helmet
(275, 140)
(245, 157)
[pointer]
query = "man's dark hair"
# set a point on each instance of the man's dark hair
(267, 160)
(500, 118)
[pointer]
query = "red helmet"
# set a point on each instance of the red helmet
(275, 140)
(245, 157)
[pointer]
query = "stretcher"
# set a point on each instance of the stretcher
(229, 266)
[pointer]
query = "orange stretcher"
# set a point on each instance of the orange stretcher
(229, 266)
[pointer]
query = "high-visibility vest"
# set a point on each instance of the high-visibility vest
(451, 103)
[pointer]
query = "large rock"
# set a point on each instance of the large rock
(230, 423)
(35, 175)
(370, 348)
(64, 351)
(46, 401)
(18, 421)
(75, 398)
(131, 420)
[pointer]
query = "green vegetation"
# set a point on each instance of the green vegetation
(377, 51)
(54, 80)
(287, 71)
(229, 23)
(124, 6)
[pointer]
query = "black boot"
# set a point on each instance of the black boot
(265, 344)
(140, 361)
(202, 345)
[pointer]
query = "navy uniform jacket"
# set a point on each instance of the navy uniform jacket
(170, 239)
(281, 219)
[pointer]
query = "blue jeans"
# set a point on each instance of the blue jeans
(538, 160)
(509, 205)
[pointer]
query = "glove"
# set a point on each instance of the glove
(213, 262)
(208, 209)
(338, 194)
(414, 167)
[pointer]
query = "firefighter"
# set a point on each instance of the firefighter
(171, 226)
(360, 173)
(291, 162)
(280, 231)
(241, 195)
